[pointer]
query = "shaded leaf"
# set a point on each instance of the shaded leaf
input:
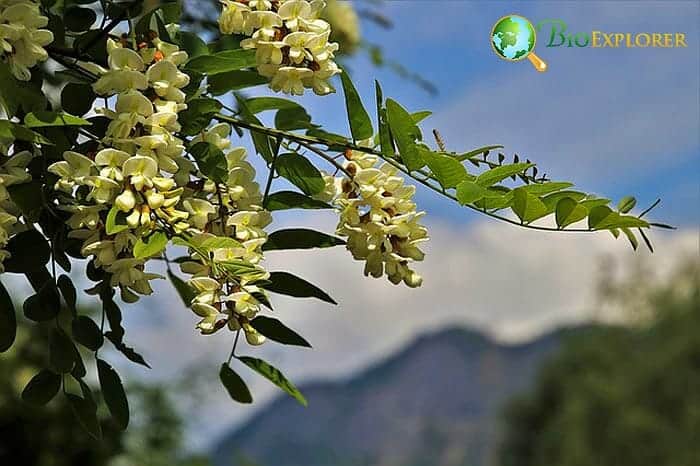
(277, 331)
(61, 351)
(300, 238)
(86, 412)
(113, 394)
(233, 81)
(198, 115)
(127, 351)
(222, 62)
(234, 384)
(42, 388)
(186, 292)
(284, 200)
(211, 161)
(291, 285)
(29, 251)
(65, 284)
(87, 333)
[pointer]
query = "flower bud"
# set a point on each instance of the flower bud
(126, 201)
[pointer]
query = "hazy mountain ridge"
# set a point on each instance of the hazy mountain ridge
(434, 403)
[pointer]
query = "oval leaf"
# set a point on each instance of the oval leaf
(87, 333)
(300, 172)
(291, 285)
(277, 331)
(234, 384)
(151, 245)
(300, 238)
(113, 393)
(61, 351)
(360, 123)
(284, 200)
(42, 388)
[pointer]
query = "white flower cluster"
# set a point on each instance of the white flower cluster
(290, 40)
(142, 177)
(379, 218)
(22, 40)
(12, 171)
(134, 177)
(224, 281)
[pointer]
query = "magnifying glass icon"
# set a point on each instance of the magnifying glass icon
(513, 38)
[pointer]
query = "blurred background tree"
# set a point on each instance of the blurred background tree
(50, 436)
(619, 394)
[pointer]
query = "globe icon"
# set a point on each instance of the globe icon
(513, 38)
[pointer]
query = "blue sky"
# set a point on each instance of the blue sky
(616, 121)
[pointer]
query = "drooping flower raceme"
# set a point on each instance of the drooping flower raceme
(291, 42)
(12, 171)
(139, 183)
(345, 24)
(378, 217)
(22, 39)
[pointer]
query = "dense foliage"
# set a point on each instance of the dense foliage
(619, 395)
(116, 147)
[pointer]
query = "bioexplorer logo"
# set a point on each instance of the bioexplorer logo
(513, 38)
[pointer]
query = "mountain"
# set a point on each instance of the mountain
(437, 402)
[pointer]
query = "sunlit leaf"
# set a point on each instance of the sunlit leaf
(358, 118)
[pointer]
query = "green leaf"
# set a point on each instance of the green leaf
(85, 411)
(405, 133)
(116, 221)
(385, 140)
(68, 292)
(150, 245)
(222, 62)
(289, 119)
(8, 320)
(15, 131)
(211, 161)
(475, 152)
(198, 115)
(548, 187)
(260, 140)
(527, 207)
(113, 393)
(43, 306)
(360, 123)
(234, 384)
(469, 192)
(261, 104)
(78, 19)
(41, 388)
(417, 117)
(300, 172)
(569, 211)
(29, 251)
(598, 216)
(495, 175)
(273, 375)
(551, 200)
(192, 44)
(29, 198)
(219, 242)
(186, 292)
(626, 204)
(284, 200)
(277, 331)
(222, 83)
(448, 171)
(291, 285)
(45, 119)
(61, 351)
(87, 333)
(300, 238)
